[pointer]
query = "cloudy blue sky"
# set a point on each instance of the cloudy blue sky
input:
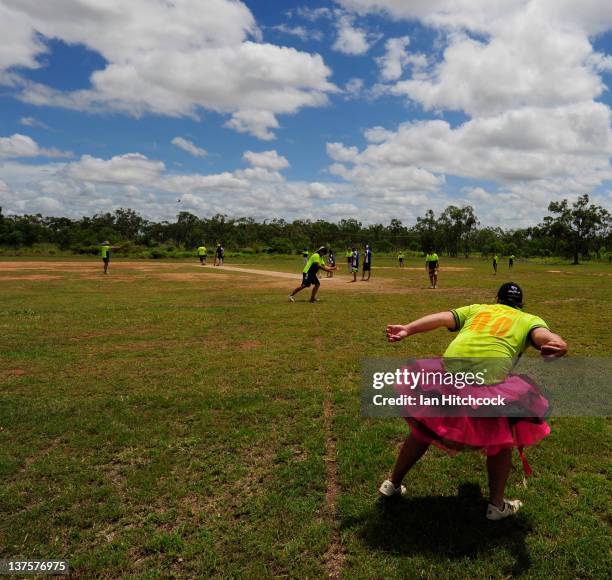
(369, 109)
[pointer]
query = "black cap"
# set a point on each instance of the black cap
(510, 294)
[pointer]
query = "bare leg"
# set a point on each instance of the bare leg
(498, 468)
(297, 290)
(313, 296)
(412, 450)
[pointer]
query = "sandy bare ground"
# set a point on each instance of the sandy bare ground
(84, 266)
(271, 273)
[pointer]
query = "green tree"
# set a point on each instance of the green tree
(580, 223)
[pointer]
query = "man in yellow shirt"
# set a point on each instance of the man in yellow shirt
(400, 258)
(501, 331)
(349, 258)
(202, 254)
(432, 267)
(315, 263)
(105, 252)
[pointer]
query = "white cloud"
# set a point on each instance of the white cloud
(32, 122)
(353, 88)
(18, 145)
(350, 40)
(314, 14)
(256, 122)
(189, 146)
(395, 59)
(128, 169)
(338, 152)
(266, 159)
(320, 191)
(301, 32)
(169, 58)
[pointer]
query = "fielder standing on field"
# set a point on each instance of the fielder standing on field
(105, 252)
(367, 264)
(202, 254)
(432, 267)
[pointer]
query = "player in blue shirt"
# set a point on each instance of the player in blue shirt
(354, 264)
(367, 263)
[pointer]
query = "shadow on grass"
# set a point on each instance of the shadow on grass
(449, 527)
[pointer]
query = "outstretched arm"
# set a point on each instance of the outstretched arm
(549, 344)
(397, 332)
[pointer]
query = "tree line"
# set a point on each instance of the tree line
(581, 229)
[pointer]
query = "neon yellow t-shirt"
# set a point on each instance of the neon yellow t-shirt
(491, 330)
(202, 251)
(400, 255)
(432, 257)
(314, 260)
(104, 250)
(495, 258)
(349, 254)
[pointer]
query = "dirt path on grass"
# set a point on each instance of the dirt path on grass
(271, 273)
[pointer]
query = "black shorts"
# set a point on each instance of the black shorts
(106, 260)
(202, 258)
(366, 267)
(432, 271)
(401, 260)
(308, 279)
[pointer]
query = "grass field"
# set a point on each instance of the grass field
(169, 420)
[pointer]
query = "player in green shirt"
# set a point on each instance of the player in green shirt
(432, 267)
(315, 263)
(502, 331)
(105, 252)
(349, 258)
(511, 261)
(495, 260)
(400, 258)
(202, 254)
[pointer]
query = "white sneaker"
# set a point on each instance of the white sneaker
(291, 299)
(389, 490)
(510, 508)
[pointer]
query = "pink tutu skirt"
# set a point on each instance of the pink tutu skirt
(487, 434)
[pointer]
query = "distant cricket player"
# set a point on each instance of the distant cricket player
(105, 252)
(354, 263)
(400, 258)
(219, 255)
(502, 331)
(367, 263)
(315, 263)
(331, 262)
(432, 266)
(511, 261)
(202, 254)
(495, 260)
(349, 259)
